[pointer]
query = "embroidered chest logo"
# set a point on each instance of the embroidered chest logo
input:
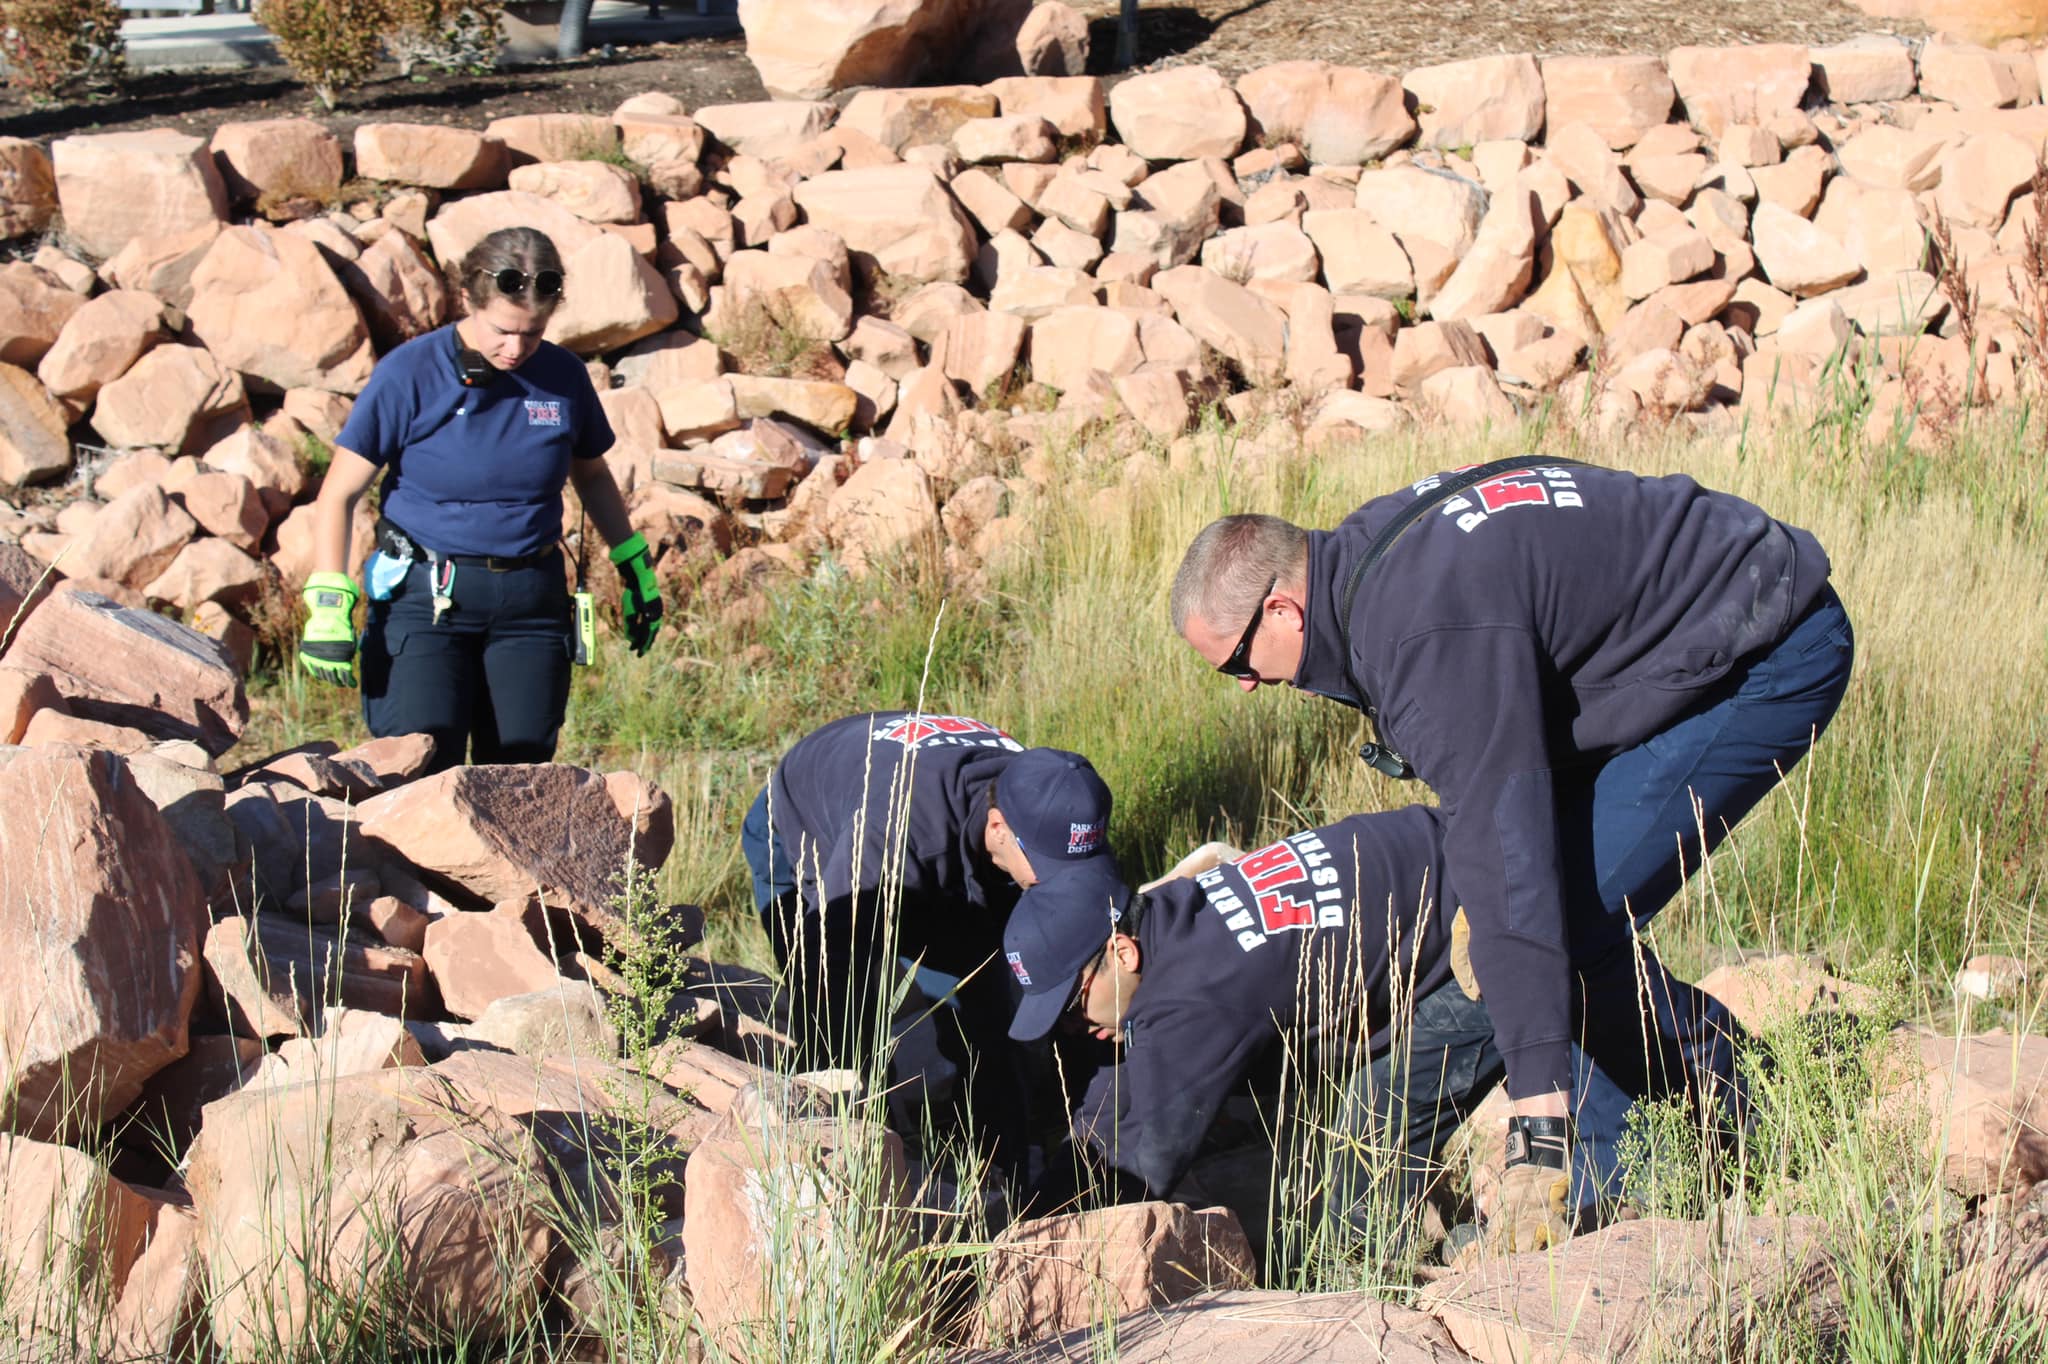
(1542, 486)
(915, 731)
(1291, 887)
(543, 412)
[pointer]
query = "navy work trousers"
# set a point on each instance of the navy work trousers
(490, 679)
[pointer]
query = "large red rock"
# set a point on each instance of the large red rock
(388, 1177)
(400, 292)
(1747, 84)
(28, 188)
(114, 187)
(1980, 1107)
(480, 957)
(136, 668)
(70, 1236)
(489, 834)
(766, 127)
(896, 219)
(100, 342)
(1249, 330)
(267, 161)
(177, 398)
(748, 1181)
(103, 915)
(429, 155)
(929, 116)
(266, 303)
(614, 298)
(1239, 1326)
(1337, 115)
(34, 307)
(1055, 1274)
(1481, 99)
(34, 446)
(1620, 98)
(1072, 104)
(209, 570)
(1178, 114)
(554, 136)
(886, 508)
(1633, 1290)
(132, 539)
(806, 50)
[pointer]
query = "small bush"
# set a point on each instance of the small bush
(448, 35)
(329, 44)
(54, 46)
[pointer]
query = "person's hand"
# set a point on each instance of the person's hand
(1534, 1190)
(328, 646)
(640, 594)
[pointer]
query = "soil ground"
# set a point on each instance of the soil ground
(1231, 35)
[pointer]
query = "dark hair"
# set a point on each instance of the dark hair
(524, 249)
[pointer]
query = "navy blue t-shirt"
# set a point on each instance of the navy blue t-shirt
(476, 470)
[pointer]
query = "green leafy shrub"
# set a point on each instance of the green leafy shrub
(54, 46)
(330, 45)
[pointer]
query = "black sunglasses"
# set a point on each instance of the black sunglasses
(512, 282)
(1239, 662)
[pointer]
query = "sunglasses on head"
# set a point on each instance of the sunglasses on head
(1239, 662)
(512, 282)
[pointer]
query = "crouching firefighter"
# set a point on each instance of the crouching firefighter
(902, 838)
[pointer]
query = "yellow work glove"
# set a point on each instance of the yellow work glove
(1535, 1189)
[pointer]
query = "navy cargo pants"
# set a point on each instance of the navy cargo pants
(490, 679)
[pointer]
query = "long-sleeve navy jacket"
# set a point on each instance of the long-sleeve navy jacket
(1321, 935)
(884, 813)
(1543, 621)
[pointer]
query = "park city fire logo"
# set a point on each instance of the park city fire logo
(1083, 839)
(1542, 485)
(1017, 969)
(1287, 887)
(543, 411)
(937, 731)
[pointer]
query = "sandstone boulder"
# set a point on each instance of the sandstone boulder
(886, 508)
(477, 958)
(926, 117)
(490, 834)
(265, 303)
(464, 223)
(616, 298)
(70, 1236)
(1620, 98)
(1241, 1325)
(28, 188)
(105, 916)
(1359, 255)
(209, 570)
(34, 446)
(100, 342)
(34, 308)
(767, 127)
(1798, 257)
(1246, 328)
(114, 187)
(1864, 70)
(554, 136)
(806, 51)
(1337, 115)
(896, 219)
(1051, 1275)
(1751, 84)
(1072, 104)
(1631, 1291)
(131, 667)
(1981, 1105)
(1482, 99)
(745, 1183)
(1434, 206)
(132, 538)
(271, 160)
(1178, 114)
(382, 1187)
(429, 155)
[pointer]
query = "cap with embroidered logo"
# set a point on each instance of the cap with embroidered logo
(1056, 929)
(1056, 805)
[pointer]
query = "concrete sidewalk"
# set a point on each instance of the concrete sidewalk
(227, 42)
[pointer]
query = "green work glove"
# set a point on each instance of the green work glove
(639, 593)
(328, 648)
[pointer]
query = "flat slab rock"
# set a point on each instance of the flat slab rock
(490, 834)
(1652, 1289)
(1252, 1327)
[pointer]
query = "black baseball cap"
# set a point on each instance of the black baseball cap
(1057, 806)
(1058, 926)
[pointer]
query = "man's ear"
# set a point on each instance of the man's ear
(1130, 957)
(1291, 604)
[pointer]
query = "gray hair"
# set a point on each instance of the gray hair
(1228, 565)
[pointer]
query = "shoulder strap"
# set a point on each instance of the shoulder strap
(1377, 754)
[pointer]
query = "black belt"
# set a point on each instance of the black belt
(394, 540)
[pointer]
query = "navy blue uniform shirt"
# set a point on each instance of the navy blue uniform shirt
(476, 470)
(1320, 933)
(891, 809)
(1536, 624)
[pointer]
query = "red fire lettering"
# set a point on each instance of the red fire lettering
(1265, 860)
(1284, 913)
(1509, 491)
